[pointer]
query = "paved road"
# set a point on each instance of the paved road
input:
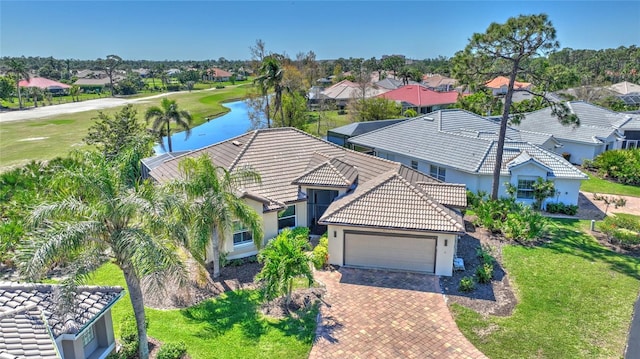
(633, 341)
(73, 107)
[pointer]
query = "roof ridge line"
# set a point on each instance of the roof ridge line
(389, 174)
(20, 309)
(243, 151)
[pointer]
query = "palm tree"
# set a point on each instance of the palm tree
(284, 259)
(36, 92)
(74, 91)
(163, 116)
(271, 76)
(19, 72)
(102, 214)
(211, 205)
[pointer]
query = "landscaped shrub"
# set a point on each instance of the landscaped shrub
(621, 230)
(321, 253)
(172, 350)
(492, 213)
(484, 273)
(568, 209)
(466, 284)
(129, 337)
(300, 232)
(524, 224)
(621, 165)
(484, 253)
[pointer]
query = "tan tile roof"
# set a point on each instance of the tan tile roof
(331, 173)
(287, 157)
(390, 201)
(449, 194)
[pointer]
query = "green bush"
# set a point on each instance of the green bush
(485, 273)
(621, 165)
(524, 224)
(621, 230)
(172, 351)
(466, 284)
(484, 253)
(568, 209)
(492, 213)
(321, 253)
(300, 232)
(129, 337)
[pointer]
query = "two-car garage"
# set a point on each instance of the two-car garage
(390, 251)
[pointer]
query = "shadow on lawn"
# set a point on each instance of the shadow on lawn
(241, 308)
(575, 242)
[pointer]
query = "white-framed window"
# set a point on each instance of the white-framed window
(287, 217)
(438, 172)
(241, 235)
(525, 188)
(414, 165)
(88, 336)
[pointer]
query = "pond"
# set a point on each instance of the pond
(234, 123)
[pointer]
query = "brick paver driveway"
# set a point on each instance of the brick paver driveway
(380, 314)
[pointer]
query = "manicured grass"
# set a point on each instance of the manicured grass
(23, 141)
(230, 326)
(575, 300)
(599, 185)
(328, 120)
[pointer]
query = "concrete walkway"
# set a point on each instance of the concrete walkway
(380, 314)
(633, 340)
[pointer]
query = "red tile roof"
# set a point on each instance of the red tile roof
(421, 96)
(43, 83)
(504, 81)
(220, 73)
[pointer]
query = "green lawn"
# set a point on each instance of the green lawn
(598, 185)
(575, 300)
(22, 141)
(230, 326)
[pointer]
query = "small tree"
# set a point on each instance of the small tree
(542, 189)
(284, 259)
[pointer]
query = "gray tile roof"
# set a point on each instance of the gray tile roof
(331, 173)
(390, 201)
(88, 303)
(286, 158)
(421, 138)
(469, 124)
(596, 123)
(24, 334)
(358, 128)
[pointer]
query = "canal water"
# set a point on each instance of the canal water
(233, 123)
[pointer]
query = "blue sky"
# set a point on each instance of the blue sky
(199, 30)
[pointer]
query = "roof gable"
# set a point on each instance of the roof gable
(332, 173)
(390, 201)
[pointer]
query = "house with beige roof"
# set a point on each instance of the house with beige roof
(33, 324)
(378, 213)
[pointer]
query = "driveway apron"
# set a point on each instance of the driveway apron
(381, 314)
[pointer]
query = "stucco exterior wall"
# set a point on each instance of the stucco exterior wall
(444, 254)
(579, 152)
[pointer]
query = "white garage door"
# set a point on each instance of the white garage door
(390, 251)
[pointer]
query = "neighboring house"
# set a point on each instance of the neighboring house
(625, 88)
(218, 75)
(439, 83)
(345, 91)
(420, 98)
(45, 84)
(31, 325)
(341, 135)
(144, 73)
(378, 213)
(392, 84)
(500, 84)
(435, 144)
(599, 130)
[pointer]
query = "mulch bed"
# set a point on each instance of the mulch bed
(301, 300)
(495, 298)
(200, 288)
